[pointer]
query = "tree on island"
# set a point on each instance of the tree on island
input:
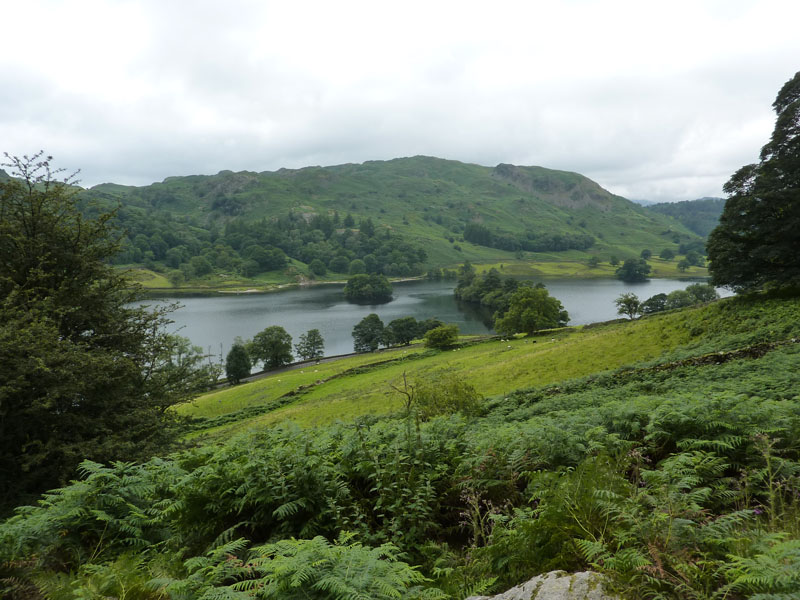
(756, 242)
(371, 289)
(237, 364)
(86, 373)
(633, 270)
(628, 304)
(530, 310)
(311, 345)
(273, 346)
(368, 334)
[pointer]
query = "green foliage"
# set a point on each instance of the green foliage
(85, 374)
(633, 270)
(369, 289)
(272, 345)
(628, 304)
(317, 267)
(489, 290)
(442, 337)
(700, 216)
(755, 244)
(654, 304)
(368, 334)
(311, 345)
(445, 395)
(667, 254)
(678, 477)
(530, 310)
(237, 364)
(401, 331)
(696, 293)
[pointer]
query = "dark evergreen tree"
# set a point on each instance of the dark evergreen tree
(84, 371)
(237, 364)
(756, 243)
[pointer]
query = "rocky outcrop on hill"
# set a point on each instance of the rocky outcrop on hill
(556, 585)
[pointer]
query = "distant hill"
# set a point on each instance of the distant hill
(700, 216)
(452, 210)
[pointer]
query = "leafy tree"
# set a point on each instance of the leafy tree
(442, 337)
(425, 326)
(339, 264)
(654, 304)
(237, 364)
(628, 304)
(402, 330)
(756, 241)
(357, 267)
(694, 258)
(683, 265)
(86, 373)
(176, 278)
(633, 270)
(613, 261)
(702, 292)
(273, 346)
(311, 345)
(530, 310)
(667, 254)
(679, 299)
(646, 254)
(368, 334)
(593, 262)
(317, 267)
(370, 289)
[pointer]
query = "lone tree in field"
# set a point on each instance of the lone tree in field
(237, 364)
(311, 345)
(273, 346)
(628, 304)
(84, 372)
(756, 242)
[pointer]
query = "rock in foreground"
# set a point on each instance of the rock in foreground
(556, 585)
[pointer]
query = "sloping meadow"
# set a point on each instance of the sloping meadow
(679, 477)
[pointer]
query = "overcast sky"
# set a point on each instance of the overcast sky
(654, 100)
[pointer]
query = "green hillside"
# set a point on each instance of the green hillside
(662, 452)
(451, 210)
(701, 215)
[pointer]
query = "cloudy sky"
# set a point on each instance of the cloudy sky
(654, 100)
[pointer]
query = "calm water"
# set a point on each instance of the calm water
(213, 322)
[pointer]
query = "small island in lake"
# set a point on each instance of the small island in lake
(368, 289)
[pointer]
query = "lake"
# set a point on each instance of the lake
(213, 322)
